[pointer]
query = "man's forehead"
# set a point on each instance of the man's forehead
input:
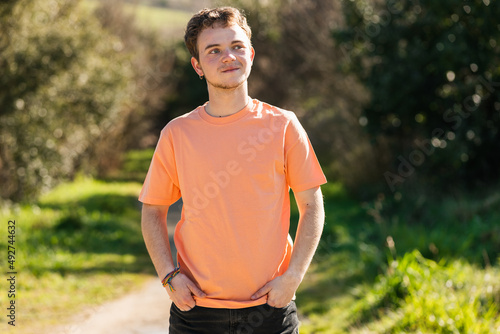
(219, 34)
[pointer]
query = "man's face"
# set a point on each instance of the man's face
(225, 56)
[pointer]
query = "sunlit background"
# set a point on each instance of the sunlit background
(400, 98)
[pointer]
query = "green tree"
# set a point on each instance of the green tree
(297, 67)
(63, 85)
(432, 70)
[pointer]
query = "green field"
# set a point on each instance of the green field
(76, 247)
(169, 22)
(373, 272)
(410, 262)
(370, 276)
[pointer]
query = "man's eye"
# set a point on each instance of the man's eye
(214, 51)
(237, 47)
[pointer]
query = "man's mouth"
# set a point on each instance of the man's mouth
(230, 69)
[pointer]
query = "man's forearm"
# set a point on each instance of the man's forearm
(281, 289)
(310, 227)
(155, 234)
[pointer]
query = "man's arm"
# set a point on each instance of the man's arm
(281, 290)
(155, 233)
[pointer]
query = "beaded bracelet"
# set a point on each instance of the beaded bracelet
(168, 279)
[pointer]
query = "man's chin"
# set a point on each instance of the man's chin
(228, 86)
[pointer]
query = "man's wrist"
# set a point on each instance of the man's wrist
(294, 275)
(168, 278)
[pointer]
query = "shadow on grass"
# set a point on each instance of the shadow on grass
(101, 203)
(349, 254)
(354, 251)
(100, 224)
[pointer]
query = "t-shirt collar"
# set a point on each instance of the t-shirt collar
(226, 119)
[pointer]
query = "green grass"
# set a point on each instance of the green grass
(357, 284)
(166, 20)
(77, 247)
(418, 294)
(388, 266)
(135, 164)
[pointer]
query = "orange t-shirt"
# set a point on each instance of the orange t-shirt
(234, 174)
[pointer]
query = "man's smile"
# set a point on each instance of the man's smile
(229, 69)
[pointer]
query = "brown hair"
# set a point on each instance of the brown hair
(208, 18)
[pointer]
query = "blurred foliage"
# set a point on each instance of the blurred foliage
(190, 91)
(376, 271)
(78, 88)
(432, 70)
(165, 84)
(297, 67)
(152, 61)
(135, 164)
(421, 295)
(63, 83)
(403, 92)
(150, 16)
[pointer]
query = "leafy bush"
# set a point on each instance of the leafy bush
(432, 72)
(449, 250)
(296, 67)
(63, 85)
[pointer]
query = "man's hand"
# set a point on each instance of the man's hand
(154, 230)
(184, 289)
(279, 291)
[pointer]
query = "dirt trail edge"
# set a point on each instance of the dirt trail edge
(146, 310)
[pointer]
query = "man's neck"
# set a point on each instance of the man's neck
(225, 102)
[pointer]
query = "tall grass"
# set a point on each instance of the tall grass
(420, 295)
(378, 269)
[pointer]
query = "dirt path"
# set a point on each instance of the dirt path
(144, 311)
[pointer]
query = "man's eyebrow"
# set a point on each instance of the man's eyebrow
(211, 46)
(216, 45)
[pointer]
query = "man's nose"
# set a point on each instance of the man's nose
(227, 55)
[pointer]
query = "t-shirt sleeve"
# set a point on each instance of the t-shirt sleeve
(302, 167)
(161, 186)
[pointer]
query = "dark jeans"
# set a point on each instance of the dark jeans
(262, 319)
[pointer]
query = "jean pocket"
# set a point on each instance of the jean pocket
(290, 304)
(181, 311)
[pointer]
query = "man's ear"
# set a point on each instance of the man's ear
(253, 54)
(196, 65)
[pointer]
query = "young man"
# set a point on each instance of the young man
(233, 161)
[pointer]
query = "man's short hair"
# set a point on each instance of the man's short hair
(209, 18)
